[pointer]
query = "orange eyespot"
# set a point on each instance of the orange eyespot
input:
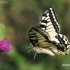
(60, 52)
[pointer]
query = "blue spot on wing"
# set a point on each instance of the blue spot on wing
(62, 42)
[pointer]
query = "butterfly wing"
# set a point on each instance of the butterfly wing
(49, 22)
(37, 35)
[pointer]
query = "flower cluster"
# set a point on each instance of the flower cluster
(5, 46)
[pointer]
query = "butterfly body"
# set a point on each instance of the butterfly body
(46, 38)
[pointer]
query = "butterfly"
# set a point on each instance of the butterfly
(46, 38)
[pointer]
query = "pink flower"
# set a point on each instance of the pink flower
(5, 46)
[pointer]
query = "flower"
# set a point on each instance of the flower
(5, 46)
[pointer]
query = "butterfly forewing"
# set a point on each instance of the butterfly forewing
(36, 35)
(49, 22)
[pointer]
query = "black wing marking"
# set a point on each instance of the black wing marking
(63, 40)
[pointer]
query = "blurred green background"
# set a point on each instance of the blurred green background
(16, 18)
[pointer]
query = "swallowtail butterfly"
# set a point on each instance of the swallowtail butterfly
(46, 37)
